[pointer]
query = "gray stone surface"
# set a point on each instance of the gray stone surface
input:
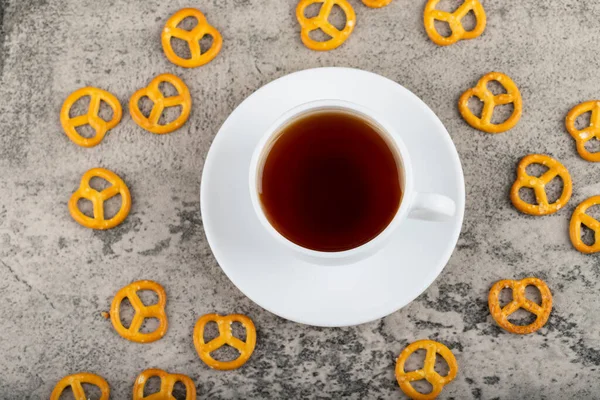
(56, 276)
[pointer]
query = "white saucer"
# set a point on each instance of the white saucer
(319, 295)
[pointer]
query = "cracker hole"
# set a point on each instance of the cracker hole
(496, 88)
(594, 212)
(149, 325)
(238, 331)
(502, 112)
(188, 23)
(179, 391)
(148, 297)
(337, 17)
(476, 106)
(169, 115)
(99, 184)
(167, 89)
(441, 366)
(422, 386)
(528, 195)
(181, 48)
(592, 145)
(225, 353)
(522, 317)
(318, 35)
(583, 121)
(443, 28)
(505, 297)
(206, 43)
(449, 5)
(145, 106)
(536, 169)
(80, 107)
(67, 394)
(86, 207)
(533, 293)
(112, 206)
(588, 236)
(469, 21)
(126, 313)
(554, 189)
(211, 331)
(312, 10)
(92, 392)
(415, 361)
(105, 112)
(86, 131)
(152, 385)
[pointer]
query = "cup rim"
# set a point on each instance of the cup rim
(394, 139)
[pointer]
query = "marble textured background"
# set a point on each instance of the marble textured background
(56, 277)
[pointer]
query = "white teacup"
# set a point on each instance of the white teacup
(415, 205)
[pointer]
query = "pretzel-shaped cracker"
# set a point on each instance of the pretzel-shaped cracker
(152, 91)
(584, 135)
(91, 117)
(427, 372)
(578, 218)
(321, 22)
(75, 382)
(141, 312)
(501, 314)
(192, 38)
(454, 21)
(490, 101)
(555, 169)
(225, 337)
(97, 198)
(376, 3)
(167, 383)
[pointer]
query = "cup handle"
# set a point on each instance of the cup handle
(432, 207)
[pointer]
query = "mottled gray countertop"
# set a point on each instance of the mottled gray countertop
(56, 276)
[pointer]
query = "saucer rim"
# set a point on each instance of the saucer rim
(385, 309)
